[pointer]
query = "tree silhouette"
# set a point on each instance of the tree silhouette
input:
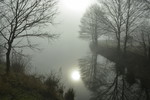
(91, 24)
(70, 94)
(21, 19)
(114, 12)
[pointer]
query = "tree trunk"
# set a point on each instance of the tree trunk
(127, 26)
(96, 45)
(8, 60)
(116, 86)
(118, 46)
(119, 25)
(125, 45)
(123, 87)
(149, 53)
(94, 65)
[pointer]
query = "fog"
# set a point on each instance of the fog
(63, 52)
(101, 50)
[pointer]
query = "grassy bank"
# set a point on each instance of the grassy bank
(21, 86)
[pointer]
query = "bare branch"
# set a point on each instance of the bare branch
(20, 16)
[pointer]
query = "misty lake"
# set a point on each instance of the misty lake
(70, 53)
(102, 51)
(63, 53)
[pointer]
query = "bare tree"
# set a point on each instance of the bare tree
(21, 19)
(123, 18)
(114, 11)
(133, 14)
(143, 37)
(89, 70)
(91, 24)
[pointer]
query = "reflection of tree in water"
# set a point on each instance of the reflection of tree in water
(91, 72)
(110, 82)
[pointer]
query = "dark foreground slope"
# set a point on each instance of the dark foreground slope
(20, 86)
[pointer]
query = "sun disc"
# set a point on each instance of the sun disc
(75, 75)
(76, 5)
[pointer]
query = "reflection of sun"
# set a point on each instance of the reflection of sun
(75, 75)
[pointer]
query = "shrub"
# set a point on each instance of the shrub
(19, 62)
(70, 94)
